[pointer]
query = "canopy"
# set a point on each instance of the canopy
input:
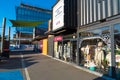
(20, 23)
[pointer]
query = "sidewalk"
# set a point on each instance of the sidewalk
(11, 69)
(14, 63)
(47, 68)
(100, 76)
(41, 67)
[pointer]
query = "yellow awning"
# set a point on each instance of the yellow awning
(20, 23)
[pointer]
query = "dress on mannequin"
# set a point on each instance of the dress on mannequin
(65, 52)
(99, 55)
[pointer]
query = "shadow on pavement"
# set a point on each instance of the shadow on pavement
(105, 77)
(23, 52)
(15, 61)
(99, 78)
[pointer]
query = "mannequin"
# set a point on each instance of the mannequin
(60, 50)
(108, 58)
(65, 52)
(87, 49)
(68, 50)
(99, 55)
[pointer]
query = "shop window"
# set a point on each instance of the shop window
(117, 48)
(58, 49)
(95, 50)
(66, 50)
(96, 32)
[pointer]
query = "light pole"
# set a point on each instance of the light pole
(34, 30)
(3, 34)
(9, 34)
(19, 38)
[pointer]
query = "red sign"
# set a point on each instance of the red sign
(58, 38)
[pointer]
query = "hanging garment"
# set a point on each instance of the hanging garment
(99, 56)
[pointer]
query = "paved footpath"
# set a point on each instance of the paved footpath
(39, 67)
(11, 69)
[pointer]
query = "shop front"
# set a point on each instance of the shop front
(99, 48)
(58, 46)
(40, 45)
(69, 50)
(45, 48)
(65, 48)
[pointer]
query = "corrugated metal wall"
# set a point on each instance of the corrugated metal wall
(51, 46)
(70, 13)
(90, 11)
(44, 46)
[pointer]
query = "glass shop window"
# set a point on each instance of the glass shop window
(94, 52)
(117, 48)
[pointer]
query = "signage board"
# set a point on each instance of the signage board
(58, 15)
(58, 38)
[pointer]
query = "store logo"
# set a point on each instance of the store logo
(58, 11)
(58, 38)
(58, 23)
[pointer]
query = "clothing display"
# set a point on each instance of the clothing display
(68, 50)
(88, 53)
(65, 52)
(55, 49)
(60, 50)
(108, 59)
(99, 55)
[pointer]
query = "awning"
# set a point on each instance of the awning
(20, 23)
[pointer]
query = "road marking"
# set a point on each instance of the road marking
(11, 75)
(23, 66)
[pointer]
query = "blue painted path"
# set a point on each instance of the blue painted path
(11, 75)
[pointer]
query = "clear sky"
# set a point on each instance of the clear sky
(7, 9)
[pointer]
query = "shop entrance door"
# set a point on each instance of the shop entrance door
(73, 50)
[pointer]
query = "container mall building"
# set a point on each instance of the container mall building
(87, 33)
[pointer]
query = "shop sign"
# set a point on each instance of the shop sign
(58, 15)
(117, 58)
(58, 38)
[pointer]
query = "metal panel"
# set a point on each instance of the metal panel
(45, 50)
(118, 6)
(85, 19)
(91, 11)
(115, 7)
(78, 13)
(70, 15)
(88, 11)
(99, 11)
(81, 12)
(109, 8)
(104, 9)
(95, 10)
(50, 46)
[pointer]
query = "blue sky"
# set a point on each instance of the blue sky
(7, 9)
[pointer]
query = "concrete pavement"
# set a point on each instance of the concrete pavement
(35, 66)
(46, 68)
(11, 69)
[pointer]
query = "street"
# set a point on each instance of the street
(35, 66)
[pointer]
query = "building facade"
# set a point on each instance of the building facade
(96, 39)
(98, 36)
(31, 13)
(64, 26)
(26, 12)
